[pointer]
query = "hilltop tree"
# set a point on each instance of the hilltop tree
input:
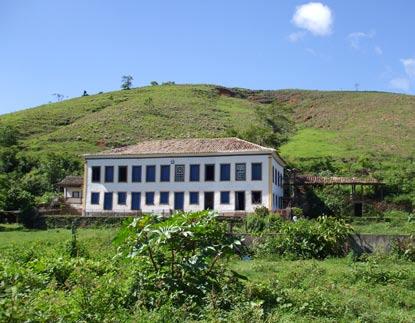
(59, 97)
(126, 82)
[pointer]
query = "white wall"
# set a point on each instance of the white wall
(185, 186)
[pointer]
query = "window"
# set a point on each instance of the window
(136, 174)
(209, 173)
(225, 172)
(194, 173)
(275, 177)
(194, 197)
(240, 172)
(282, 177)
(164, 198)
(276, 201)
(96, 174)
(150, 173)
(165, 173)
(280, 199)
(122, 174)
(149, 198)
(224, 197)
(109, 174)
(256, 171)
(179, 173)
(76, 194)
(272, 174)
(256, 197)
(95, 198)
(122, 198)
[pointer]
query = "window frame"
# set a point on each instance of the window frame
(220, 172)
(147, 174)
(197, 166)
(126, 173)
(105, 174)
(236, 172)
(175, 173)
(252, 197)
(163, 180)
(168, 198)
(92, 174)
(229, 198)
(140, 173)
(125, 198)
(252, 171)
(214, 175)
(197, 194)
(92, 200)
(146, 195)
(76, 197)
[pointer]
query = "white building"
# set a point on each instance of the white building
(72, 191)
(226, 174)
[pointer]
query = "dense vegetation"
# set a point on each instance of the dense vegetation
(343, 133)
(186, 269)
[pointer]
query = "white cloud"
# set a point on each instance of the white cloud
(400, 83)
(409, 65)
(378, 50)
(315, 17)
(356, 37)
(295, 37)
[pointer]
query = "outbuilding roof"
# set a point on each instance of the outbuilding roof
(71, 181)
(320, 180)
(188, 146)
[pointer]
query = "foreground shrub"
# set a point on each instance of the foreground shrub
(305, 239)
(405, 248)
(182, 261)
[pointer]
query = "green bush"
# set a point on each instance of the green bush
(305, 239)
(405, 248)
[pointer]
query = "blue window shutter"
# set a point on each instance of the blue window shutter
(165, 173)
(109, 174)
(225, 172)
(256, 171)
(150, 173)
(122, 198)
(135, 201)
(149, 198)
(94, 198)
(224, 197)
(194, 173)
(164, 197)
(136, 174)
(194, 197)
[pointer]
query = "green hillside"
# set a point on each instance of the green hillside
(329, 124)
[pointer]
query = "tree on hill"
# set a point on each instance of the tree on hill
(126, 82)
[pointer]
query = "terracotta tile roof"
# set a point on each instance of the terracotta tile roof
(188, 146)
(71, 181)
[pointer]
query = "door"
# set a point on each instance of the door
(179, 201)
(209, 200)
(108, 201)
(240, 201)
(135, 201)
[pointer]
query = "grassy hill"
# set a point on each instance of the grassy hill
(330, 124)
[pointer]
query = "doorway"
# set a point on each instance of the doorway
(108, 201)
(358, 209)
(240, 201)
(209, 200)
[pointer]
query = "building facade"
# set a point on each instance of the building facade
(226, 174)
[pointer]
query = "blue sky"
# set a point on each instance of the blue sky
(50, 46)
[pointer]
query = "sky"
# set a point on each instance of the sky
(66, 47)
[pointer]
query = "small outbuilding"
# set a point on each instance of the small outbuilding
(72, 190)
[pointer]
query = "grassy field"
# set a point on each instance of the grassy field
(331, 124)
(374, 289)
